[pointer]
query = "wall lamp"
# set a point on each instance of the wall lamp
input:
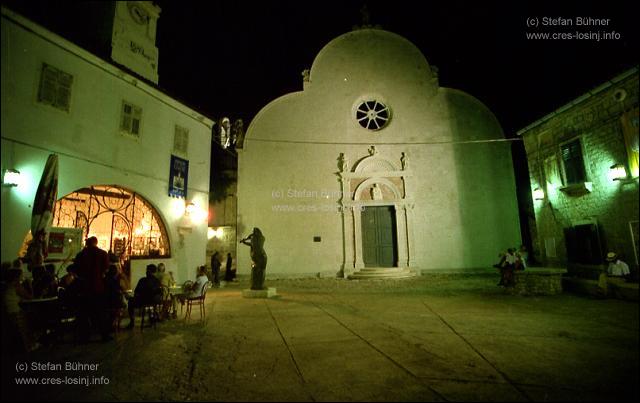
(538, 194)
(11, 177)
(617, 172)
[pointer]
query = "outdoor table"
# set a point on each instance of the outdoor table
(176, 290)
(37, 304)
(38, 300)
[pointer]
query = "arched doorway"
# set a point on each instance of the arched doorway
(125, 224)
(376, 213)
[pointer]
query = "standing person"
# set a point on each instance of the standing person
(92, 264)
(215, 269)
(258, 257)
(228, 273)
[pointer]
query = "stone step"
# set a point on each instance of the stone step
(382, 273)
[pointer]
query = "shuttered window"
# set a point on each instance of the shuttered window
(181, 140)
(573, 162)
(131, 120)
(55, 87)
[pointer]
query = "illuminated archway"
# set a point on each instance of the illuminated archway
(124, 222)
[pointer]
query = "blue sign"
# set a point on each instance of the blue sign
(178, 176)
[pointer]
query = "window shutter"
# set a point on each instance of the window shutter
(55, 87)
(131, 119)
(64, 90)
(181, 140)
(573, 162)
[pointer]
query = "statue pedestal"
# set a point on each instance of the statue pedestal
(268, 293)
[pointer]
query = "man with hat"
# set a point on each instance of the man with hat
(617, 268)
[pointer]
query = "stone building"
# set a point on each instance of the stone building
(583, 164)
(133, 162)
(374, 169)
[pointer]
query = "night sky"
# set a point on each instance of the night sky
(231, 58)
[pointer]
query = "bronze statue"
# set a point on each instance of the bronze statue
(258, 258)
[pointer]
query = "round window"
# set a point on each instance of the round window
(372, 115)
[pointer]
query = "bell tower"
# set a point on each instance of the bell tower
(133, 40)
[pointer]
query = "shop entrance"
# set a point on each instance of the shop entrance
(125, 224)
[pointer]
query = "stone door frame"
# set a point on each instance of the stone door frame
(374, 169)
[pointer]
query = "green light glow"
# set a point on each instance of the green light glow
(538, 194)
(617, 172)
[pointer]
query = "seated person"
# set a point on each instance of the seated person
(44, 284)
(15, 323)
(6, 266)
(506, 270)
(195, 289)
(70, 277)
(147, 292)
(502, 256)
(115, 291)
(522, 255)
(617, 268)
(165, 279)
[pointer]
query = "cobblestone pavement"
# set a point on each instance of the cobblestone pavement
(430, 338)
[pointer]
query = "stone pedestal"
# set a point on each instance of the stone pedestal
(268, 293)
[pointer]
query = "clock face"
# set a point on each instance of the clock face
(138, 14)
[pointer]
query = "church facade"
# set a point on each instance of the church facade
(374, 168)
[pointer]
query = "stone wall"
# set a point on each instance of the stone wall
(537, 281)
(596, 119)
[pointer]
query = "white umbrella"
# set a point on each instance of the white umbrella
(42, 213)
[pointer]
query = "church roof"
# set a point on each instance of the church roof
(369, 56)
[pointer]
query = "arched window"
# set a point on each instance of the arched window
(123, 221)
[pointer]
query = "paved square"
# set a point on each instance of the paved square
(431, 338)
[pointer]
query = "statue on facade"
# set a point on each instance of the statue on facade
(237, 132)
(305, 75)
(404, 160)
(224, 129)
(344, 163)
(258, 258)
(376, 192)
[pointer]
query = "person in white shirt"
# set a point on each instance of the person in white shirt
(201, 279)
(194, 289)
(617, 268)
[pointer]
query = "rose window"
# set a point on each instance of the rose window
(372, 115)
